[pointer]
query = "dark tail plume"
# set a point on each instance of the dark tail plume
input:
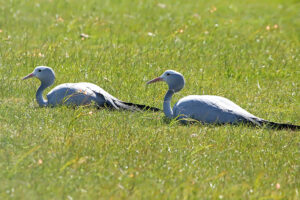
(135, 107)
(115, 103)
(280, 126)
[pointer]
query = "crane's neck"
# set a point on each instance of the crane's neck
(39, 95)
(167, 104)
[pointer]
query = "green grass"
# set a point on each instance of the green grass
(221, 47)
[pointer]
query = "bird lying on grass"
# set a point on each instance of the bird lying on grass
(77, 94)
(208, 109)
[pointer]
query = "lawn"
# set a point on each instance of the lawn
(247, 51)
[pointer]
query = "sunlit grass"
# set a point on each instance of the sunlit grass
(247, 51)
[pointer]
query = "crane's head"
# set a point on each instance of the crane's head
(174, 79)
(45, 74)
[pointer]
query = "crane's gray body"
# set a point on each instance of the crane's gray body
(211, 109)
(80, 94)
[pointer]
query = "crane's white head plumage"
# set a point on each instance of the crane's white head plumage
(175, 80)
(45, 74)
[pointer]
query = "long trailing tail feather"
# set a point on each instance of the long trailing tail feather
(275, 125)
(117, 104)
(135, 107)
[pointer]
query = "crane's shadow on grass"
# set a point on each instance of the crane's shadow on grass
(191, 122)
(107, 107)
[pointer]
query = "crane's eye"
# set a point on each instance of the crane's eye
(39, 70)
(168, 74)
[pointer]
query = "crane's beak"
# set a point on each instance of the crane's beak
(28, 76)
(155, 80)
